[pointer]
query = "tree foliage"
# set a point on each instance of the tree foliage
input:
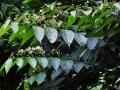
(59, 46)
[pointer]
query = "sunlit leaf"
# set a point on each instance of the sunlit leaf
(51, 34)
(27, 36)
(88, 12)
(5, 25)
(98, 21)
(118, 80)
(27, 1)
(39, 32)
(52, 7)
(19, 62)
(73, 13)
(107, 12)
(26, 85)
(117, 5)
(32, 62)
(8, 64)
(32, 79)
(68, 36)
(3, 32)
(41, 77)
(66, 65)
(15, 26)
(55, 63)
(24, 64)
(43, 61)
(77, 67)
(92, 42)
(2, 67)
(16, 35)
(80, 38)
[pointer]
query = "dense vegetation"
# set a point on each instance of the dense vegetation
(59, 45)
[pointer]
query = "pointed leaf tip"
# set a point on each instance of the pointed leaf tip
(8, 64)
(32, 62)
(39, 33)
(51, 34)
(92, 42)
(41, 77)
(67, 65)
(68, 36)
(55, 63)
(43, 61)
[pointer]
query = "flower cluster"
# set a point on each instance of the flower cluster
(31, 51)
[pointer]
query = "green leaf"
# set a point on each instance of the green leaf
(15, 26)
(98, 87)
(4, 7)
(19, 62)
(4, 31)
(51, 34)
(43, 61)
(92, 42)
(55, 63)
(107, 12)
(27, 36)
(39, 33)
(26, 1)
(67, 65)
(52, 7)
(98, 21)
(80, 38)
(82, 21)
(32, 79)
(118, 80)
(97, 33)
(6, 24)
(24, 64)
(72, 18)
(32, 61)
(30, 71)
(109, 20)
(8, 64)
(2, 67)
(67, 36)
(14, 35)
(26, 85)
(41, 77)
(13, 63)
(18, 87)
(55, 73)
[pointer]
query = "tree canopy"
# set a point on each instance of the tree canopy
(59, 45)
